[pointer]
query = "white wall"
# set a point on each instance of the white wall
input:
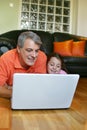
(82, 18)
(9, 15)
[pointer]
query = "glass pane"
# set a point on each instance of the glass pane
(66, 12)
(58, 19)
(24, 16)
(49, 26)
(41, 26)
(50, 9)
(58, 27)
(66, 20)
(24, 24)
(34, 8)
(33, 25)
(43, 12)
(50, 18)
(25, 0)
(42, 2)
(42, 17)
(50, 2)
(42, 9)
(34, 1)
(59, 2)
(66, 3)
(66, 28)
(59, 11)
(25, 7)
(33, 16)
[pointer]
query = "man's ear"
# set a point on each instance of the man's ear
(18, 49)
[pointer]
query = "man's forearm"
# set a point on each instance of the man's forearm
(5, 92)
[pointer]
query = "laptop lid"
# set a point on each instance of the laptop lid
(43, 91)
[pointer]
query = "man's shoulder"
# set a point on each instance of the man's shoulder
(42, 58)
(42, 54)
(9, 55)
(10, 52)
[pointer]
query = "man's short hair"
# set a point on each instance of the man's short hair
(28, 34)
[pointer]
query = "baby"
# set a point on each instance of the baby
(55, 64)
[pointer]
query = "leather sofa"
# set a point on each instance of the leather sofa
(74, 64)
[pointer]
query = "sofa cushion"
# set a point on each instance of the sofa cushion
(63, 48)
(78, 48)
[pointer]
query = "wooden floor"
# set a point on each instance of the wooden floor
(74, 118)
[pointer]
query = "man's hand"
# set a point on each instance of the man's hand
(8, 87)
(6, 91)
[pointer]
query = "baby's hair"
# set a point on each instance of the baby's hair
(59, 57)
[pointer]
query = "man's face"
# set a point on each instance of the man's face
(28, 53)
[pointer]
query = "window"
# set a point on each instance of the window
(46, 15)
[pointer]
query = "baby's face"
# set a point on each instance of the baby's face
(54, 66)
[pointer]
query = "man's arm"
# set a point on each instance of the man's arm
(5, 92)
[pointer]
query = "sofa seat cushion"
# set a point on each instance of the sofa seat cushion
(80, 61)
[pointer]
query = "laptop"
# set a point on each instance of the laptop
(43, 91)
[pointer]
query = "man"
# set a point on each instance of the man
(26, 58)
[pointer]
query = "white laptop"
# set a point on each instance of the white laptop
(43, 91)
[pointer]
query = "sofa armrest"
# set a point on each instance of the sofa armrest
(6, 44)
